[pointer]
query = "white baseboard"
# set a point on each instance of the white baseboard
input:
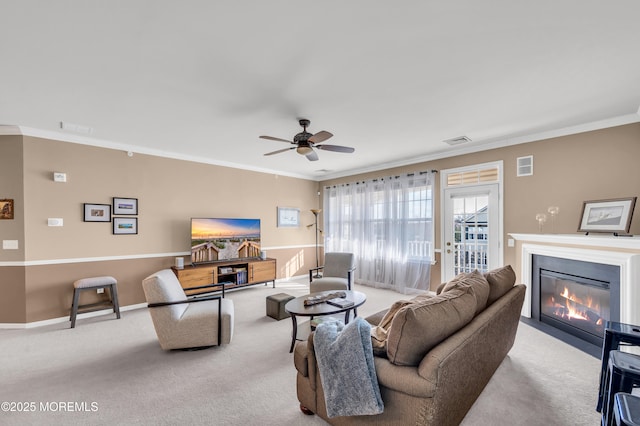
(10, 326)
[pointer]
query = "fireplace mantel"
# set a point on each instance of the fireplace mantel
(599, 241)
(620, 251)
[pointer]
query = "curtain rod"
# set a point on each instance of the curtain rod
(383, 178)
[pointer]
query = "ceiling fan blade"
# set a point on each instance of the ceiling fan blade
(271, 138)
(312, 156)
(280, 150)
(336, 148)
(321, 136)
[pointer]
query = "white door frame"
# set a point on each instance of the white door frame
(499, 232)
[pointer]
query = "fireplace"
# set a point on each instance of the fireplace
(574, 296)
(623, 253)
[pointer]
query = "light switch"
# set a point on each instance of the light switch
(59, 177)
(10, 244)
(511, 242)
(55, 221)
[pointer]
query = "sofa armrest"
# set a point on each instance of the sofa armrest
(400, 378)
(304, 359)
(375, 319)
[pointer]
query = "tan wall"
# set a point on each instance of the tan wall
(169, 193)
(12, 278)
(568, 170)
(11, 187)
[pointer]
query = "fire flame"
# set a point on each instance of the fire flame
(577, 308)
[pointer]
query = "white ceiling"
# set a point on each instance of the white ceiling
(203, 79)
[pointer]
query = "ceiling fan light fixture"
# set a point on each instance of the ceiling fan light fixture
(304, 150)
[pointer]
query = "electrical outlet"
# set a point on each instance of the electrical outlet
(100, 290)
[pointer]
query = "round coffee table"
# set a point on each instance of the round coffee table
(296, 308)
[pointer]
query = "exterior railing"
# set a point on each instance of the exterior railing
(470, 256)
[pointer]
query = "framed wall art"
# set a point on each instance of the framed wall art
(288, 217)
(6, 208)
(125, 225)
(612, 215)
(127, 206)
(97, 212)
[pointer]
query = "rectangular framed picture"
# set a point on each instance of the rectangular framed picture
(288, 217)
(6, 208)
(125, 225)
(125, 205)
(607, 215)
(97, 212)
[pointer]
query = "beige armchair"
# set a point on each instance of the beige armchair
(337, 273)
(182, 322)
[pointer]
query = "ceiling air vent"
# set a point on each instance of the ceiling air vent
(457, 141)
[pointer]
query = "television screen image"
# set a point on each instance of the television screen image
(215, 239)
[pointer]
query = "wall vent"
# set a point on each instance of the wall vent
(525, 166)
(457, 141)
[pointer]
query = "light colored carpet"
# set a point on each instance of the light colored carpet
(112, 371)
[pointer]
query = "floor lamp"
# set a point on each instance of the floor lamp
(315, 224)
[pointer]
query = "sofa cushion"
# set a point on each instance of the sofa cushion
(501, 280)
(418, 327)
(478, 285)
(380, 332)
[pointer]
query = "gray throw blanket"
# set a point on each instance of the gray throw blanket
(345, 360)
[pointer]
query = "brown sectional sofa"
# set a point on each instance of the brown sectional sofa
(433, 354)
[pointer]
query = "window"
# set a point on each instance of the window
(468, 177)
(388, 225)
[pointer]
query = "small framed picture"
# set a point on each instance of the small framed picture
(6, 208)
(125, 205)
(125, 225)
(288, 217)
(607, 215)
(97, 212)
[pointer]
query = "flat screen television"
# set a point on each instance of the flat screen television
(214, 239)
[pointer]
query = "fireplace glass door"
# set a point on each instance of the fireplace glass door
(577, 305)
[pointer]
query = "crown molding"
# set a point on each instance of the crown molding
(459, 150)
(496, 143)
(6, 130)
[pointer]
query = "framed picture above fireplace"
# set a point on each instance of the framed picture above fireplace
(612, 215)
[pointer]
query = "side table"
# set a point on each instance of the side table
(616, 334)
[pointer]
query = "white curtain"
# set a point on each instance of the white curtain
(388, 225)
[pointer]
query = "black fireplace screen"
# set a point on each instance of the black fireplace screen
(584, 306)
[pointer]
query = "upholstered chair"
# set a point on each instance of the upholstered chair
(182, 322)
(337, 273)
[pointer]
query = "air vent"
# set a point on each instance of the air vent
(457, 141)
(76, 128)
(525, 166)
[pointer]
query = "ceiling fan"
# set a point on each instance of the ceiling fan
(306, 142)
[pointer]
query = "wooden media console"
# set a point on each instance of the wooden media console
(226, 275)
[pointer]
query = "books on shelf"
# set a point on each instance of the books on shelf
(340, 302)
